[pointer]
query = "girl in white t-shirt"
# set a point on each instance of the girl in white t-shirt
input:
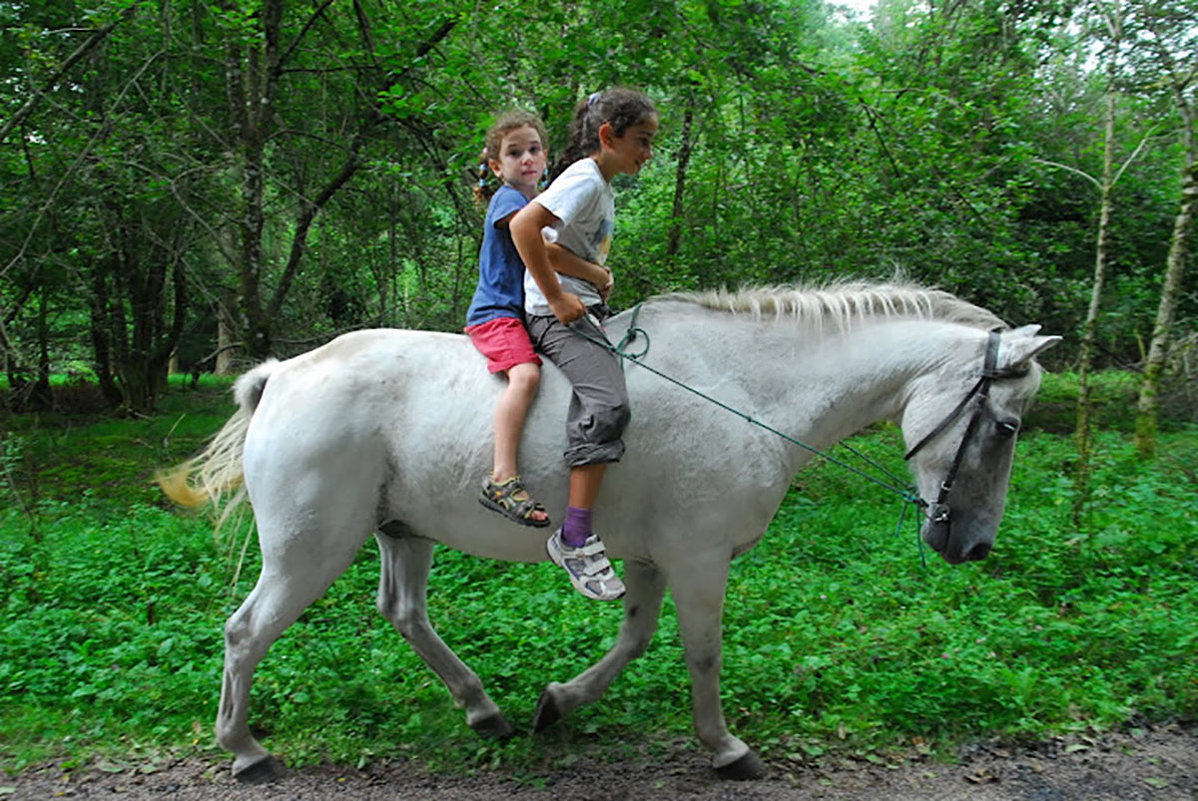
(612, 134)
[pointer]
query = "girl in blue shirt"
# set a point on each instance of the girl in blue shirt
(515, 153)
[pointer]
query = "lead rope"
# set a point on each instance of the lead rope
(909, 493)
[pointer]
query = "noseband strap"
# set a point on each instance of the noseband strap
(938, 512)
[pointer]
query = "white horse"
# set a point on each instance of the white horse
(387, 432)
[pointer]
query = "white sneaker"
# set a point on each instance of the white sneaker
(590, 571)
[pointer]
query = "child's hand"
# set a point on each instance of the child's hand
(605, 285)
(567, 307)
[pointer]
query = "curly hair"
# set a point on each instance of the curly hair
(506, 123)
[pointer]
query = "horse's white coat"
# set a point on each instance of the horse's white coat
(392, 429)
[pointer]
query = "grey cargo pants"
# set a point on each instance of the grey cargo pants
(598, 409)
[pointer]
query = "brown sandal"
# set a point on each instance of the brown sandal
(503, 498)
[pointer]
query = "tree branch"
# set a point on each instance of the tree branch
(92, 42)
(1066, 167)
(91, 143)
(299, 242)
(310, 209)
(1132, 157)
(299, 37)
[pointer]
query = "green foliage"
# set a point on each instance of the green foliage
(104, 622)
(836, 639)
(944, 142)
(65, 455)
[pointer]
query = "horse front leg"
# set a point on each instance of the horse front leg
(403, 599)
(698, 587)
(642, 606)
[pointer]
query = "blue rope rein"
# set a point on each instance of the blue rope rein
(907, 492)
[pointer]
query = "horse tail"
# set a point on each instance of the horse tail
(216, 471)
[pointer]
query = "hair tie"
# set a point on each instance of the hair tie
(594, 98)
(482, 175)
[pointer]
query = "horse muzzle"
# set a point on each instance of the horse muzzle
(938, 533)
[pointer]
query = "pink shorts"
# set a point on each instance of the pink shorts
(505, 343)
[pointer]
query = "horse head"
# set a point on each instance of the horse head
(960, 426)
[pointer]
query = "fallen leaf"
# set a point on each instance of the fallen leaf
(981, 776)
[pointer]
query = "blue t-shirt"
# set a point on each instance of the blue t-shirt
(500, 291)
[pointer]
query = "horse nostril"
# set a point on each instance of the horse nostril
(978, 552)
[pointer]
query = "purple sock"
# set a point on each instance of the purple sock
(577, 526)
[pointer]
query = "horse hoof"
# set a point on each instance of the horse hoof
(547, 712)
(747, 768)
(261, 772)
(493, 726)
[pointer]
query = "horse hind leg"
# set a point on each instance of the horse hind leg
(290, 581)
(403, 600)
(642, 607)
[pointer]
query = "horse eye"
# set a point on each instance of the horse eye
(1006, 428)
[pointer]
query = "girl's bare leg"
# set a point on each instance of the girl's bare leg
(585, 481)
(510, 413)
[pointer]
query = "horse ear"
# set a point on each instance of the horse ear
(1021, 344)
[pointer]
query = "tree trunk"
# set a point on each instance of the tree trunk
(1089, 329)
(251, 82)
(1146, 416)
(224, 342)
(43, 396)
(100, 328)
(684, 157)
(144, 375)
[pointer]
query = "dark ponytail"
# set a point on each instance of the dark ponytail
(484, 189)
(620, 108)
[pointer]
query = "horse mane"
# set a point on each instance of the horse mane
(842, 303)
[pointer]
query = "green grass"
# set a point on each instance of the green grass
(836, 639)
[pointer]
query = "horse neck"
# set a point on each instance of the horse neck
(825, 387)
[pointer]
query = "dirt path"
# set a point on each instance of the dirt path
(1155, 765)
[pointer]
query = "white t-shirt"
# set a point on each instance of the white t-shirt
(585, 206)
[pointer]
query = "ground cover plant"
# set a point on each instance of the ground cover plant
(836, 637)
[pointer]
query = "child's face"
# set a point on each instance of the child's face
(521, 159)
(634, 147)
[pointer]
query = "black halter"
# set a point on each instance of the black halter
(939, 511)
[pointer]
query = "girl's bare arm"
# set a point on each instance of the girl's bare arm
(526, 236)
(567, 262)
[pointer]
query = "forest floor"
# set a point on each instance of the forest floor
(1156, 764)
